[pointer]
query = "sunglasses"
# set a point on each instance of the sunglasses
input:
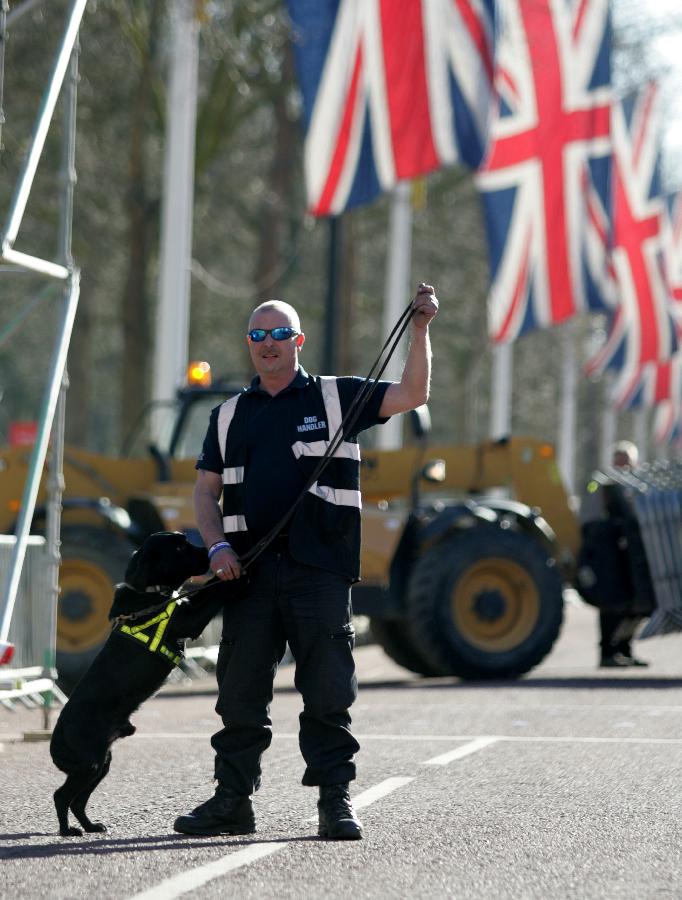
(282, 333)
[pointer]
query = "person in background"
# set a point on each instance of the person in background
(611, 549)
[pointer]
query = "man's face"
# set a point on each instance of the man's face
(271, 357)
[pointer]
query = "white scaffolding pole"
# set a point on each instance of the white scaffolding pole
(397, 294)
(501, 391)
(172, 318)
(568, 408)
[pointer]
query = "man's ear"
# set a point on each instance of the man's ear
(299, 340)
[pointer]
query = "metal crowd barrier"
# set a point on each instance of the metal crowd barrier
(27, 681)
(655, 493)
(201, 655)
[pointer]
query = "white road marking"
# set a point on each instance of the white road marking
(531, 708)
(194, 878)
(459, 752)
(539, 739)
(380, 790)
(429, 738)
(191, 879)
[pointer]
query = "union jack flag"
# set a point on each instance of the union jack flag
(391, 89)
(643, 332)
(667, 425)
(668, 414)
(545, 180)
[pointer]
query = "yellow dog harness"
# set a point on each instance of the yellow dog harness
(151, 633)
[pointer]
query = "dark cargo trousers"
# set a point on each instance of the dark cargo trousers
(311, 609)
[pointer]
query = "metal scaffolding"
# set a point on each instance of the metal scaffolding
(51, 423)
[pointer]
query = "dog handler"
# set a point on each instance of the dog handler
(259, 451)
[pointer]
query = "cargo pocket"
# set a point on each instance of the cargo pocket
(340, 682)
(346, 633)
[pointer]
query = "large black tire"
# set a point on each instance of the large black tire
(93, 562)
(394, 639)
(485, 603)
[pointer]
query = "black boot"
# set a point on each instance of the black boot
(338, 821)
(225, 813)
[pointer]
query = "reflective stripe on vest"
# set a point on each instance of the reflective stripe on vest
(162, 621)
(225, 416)
(345, 450)
(231, 474)
(234, 523)
(337, 496)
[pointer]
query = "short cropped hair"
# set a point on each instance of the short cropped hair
(282, 307)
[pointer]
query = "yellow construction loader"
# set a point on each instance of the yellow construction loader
(465, 549)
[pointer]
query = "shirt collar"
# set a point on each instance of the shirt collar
(300, 380)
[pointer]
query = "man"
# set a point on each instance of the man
(614, 555)
(260, 450)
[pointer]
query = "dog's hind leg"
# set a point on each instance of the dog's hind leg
(64, 797)
(80, 801)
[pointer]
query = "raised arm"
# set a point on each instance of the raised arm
(413, 388)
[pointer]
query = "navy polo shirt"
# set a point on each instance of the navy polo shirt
(273, 478)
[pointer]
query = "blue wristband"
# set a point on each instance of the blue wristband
(219, 545)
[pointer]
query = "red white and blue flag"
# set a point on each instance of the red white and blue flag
(643, 335)
(391, 89)
(546, 178)
(668, 415)
(667, 426)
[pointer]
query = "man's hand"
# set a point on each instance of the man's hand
(225, 564)
(425, 306)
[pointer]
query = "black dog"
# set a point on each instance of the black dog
(145, 644)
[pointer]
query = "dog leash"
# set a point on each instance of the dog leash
(163, 590)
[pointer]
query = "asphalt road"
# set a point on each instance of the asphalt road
(565, 784)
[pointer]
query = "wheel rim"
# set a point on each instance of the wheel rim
(495, 604)
(84, 603)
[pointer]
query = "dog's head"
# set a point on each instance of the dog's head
(166, 558)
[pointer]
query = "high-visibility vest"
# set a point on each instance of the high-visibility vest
(325, 529)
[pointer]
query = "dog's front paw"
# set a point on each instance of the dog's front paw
(96, 828)
(70, 832)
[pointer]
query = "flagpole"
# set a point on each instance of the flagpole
(398, 264)
(501, 391)
(173, 308)
(609, 422)
(569, 403)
